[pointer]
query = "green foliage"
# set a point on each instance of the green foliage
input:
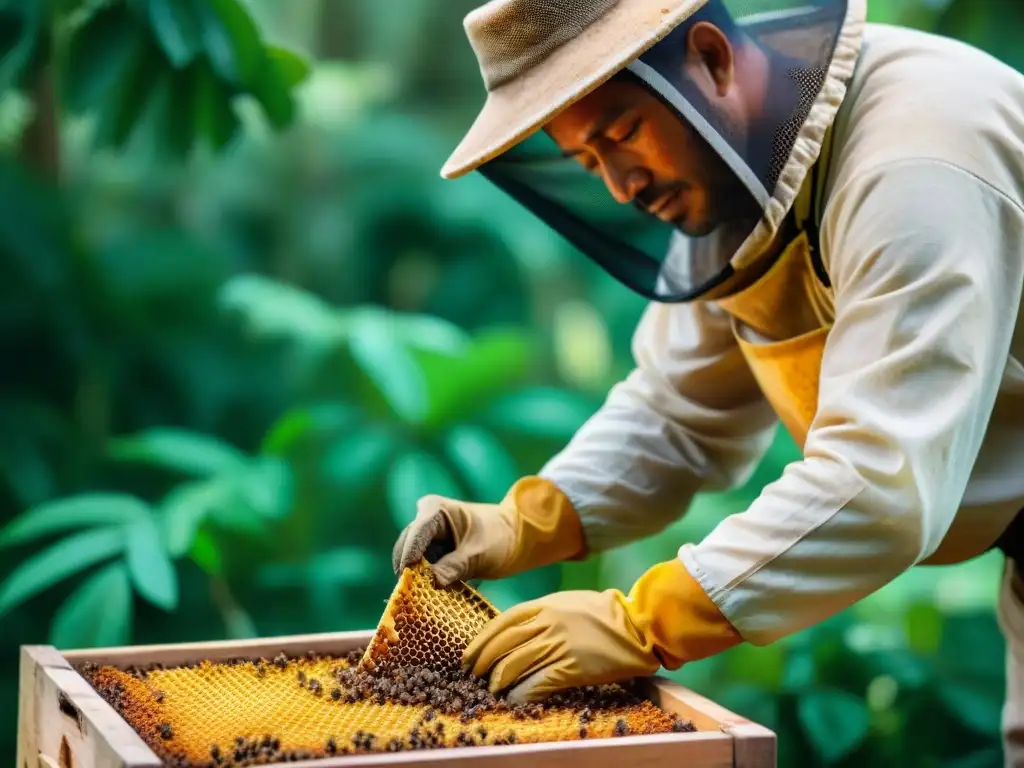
(98, 613)
(176, 69)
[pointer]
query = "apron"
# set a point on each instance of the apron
(781, 323)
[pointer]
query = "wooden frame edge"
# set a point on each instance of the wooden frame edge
(57, 703)
(219, 650)
(755, 746)
(751, 745)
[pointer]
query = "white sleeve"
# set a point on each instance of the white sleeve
(926, 264)
(689, 417)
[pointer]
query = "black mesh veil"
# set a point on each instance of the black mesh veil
(664, 210)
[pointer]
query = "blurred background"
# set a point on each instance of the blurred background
(245, 325)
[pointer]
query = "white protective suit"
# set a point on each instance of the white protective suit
(916, 451)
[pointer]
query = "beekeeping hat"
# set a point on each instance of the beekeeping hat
(672, 209)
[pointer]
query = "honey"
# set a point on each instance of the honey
(405, 690)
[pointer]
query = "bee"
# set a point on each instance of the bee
(336, 694)
(159, 696)
(583, 733)
(621, 729)
(166, 732)
(315, 687)
(332, 746)
(281, 661)
(215, 753)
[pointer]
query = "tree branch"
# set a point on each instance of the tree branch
(40, 144)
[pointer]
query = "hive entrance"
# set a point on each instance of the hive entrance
(404, 691)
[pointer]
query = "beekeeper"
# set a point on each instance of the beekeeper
(826, 216)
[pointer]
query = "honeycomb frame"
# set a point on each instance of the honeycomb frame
(450, 617)
(65, 723)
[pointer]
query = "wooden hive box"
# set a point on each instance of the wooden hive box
(63, 722)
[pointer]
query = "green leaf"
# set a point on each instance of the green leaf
(485, 465)
(974, 706)
(923, 624)
(98, 509)
(425, 333)
(185, 509)
(179, 450)
(132, 94)
(542, 412)
(291, 67)
(238, 517)
(414, 475)
(206, 554)
(150, 566)
(176, 25)
(69, 556)
(494, 362)
(392, 369)
(267, 487)
(100, 53)
(358, 458)
(215, 116)
(835, 722)
(169, 126)
(23, 31)
(273, 94)
(297, 423)
(232, 41)
(275, 309)
(98, 614)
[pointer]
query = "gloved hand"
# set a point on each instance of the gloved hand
(533, 526)
(581, 638)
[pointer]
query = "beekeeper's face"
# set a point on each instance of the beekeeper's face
(646, 155)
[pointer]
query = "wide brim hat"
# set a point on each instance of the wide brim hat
(538, 57)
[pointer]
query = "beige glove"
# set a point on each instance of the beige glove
(533, 526)
(579, 638)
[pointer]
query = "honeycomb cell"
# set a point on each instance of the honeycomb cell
(404, 691)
